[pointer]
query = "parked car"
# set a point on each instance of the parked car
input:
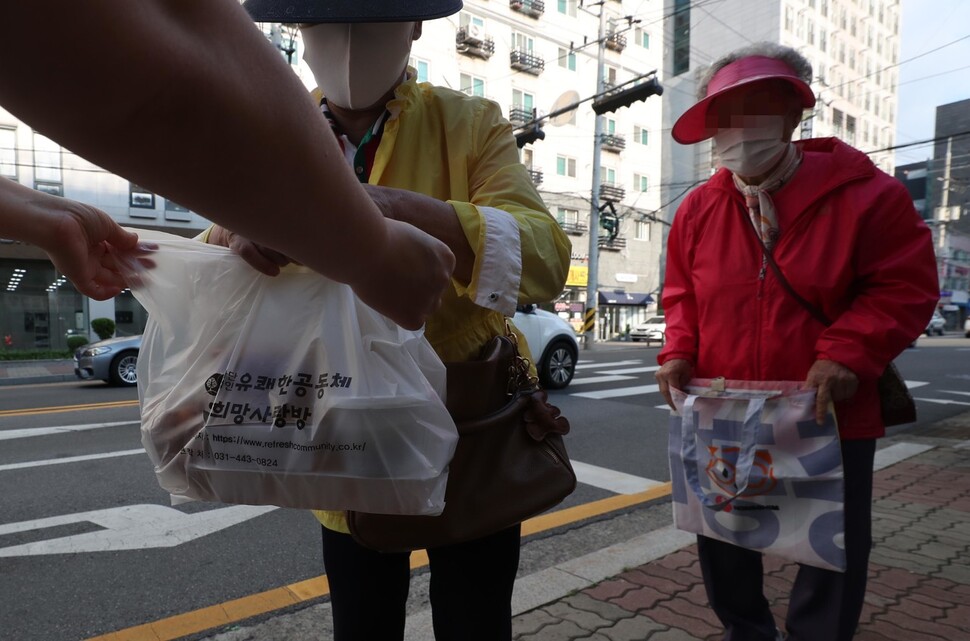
(552, 342)
(936, 324)
(112, 360)
(652, 331)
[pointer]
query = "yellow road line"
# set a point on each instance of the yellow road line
(182, 625)
(68, 408)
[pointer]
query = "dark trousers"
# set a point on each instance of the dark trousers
(471, 588)
(824, 605)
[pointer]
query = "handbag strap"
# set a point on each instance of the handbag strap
(520, 378)
(816, 313)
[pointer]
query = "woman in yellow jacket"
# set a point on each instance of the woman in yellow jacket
(446, 163)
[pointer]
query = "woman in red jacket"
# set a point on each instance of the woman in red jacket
(847, 238)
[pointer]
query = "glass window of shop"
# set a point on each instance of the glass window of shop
(40, 309)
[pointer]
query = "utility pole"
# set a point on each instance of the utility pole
(592, 282)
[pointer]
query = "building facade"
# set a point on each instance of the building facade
(39, 308)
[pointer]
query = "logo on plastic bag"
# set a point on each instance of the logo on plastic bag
(213, 384)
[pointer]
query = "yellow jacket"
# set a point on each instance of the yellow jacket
(458, 148)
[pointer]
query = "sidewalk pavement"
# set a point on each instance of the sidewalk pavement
(649, 588)
(33, 372)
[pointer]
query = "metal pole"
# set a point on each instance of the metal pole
(592, 283)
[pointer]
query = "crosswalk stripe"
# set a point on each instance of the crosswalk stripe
(6, 435)
(600, 379)
(915, 384)
(69, 459)
(612, 480)
(583, 365)
(633, 370)
(620, 392)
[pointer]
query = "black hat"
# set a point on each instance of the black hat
(314, 11)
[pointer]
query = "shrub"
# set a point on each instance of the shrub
(73, 342)
(103, 327)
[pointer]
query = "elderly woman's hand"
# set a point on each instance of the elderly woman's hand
(835, 382)
(676, 372)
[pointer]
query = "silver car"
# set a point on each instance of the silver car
(113, 360)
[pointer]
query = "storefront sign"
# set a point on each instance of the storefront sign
(578, 276)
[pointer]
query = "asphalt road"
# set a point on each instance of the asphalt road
(89, 543)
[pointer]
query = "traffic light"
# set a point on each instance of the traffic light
(626, 97)
(532, 134)
(609, 221)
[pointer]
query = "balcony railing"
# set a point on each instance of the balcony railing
(472, 41)
(574, 227)
(532, 8)
(613, 142)
(611, 192)
(519, 115)
(526, 61)
(616, 244)
(616, 42)
(536, 177)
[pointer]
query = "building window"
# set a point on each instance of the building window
(54, 189)
(47, 160)
(421, 68)
(467, 19)
(640, 135)
(522, 42)
(567, 7)
(639, 183)
(140, 198)
(566, 166)
(642, 230)
(641, 37)
(681, 48)
(567, 59)
(171, 205)
(8, 153)
(523, 100)
(567, 216)
(472, 85)
(609, 176)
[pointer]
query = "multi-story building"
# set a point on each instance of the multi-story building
(947, 207)
(534, 58)
(39, 308)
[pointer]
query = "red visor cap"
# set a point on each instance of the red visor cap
(692, 126)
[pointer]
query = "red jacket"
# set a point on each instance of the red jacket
(850, 242)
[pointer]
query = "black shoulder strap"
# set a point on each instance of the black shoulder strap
(816, 313)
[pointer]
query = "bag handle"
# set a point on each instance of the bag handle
(744, 465)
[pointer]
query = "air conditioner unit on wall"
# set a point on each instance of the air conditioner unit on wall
(476, 34)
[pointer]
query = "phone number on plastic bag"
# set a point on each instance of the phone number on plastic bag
(225, 456)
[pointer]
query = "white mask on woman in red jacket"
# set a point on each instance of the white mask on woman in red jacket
(355, 64)
(754, 147)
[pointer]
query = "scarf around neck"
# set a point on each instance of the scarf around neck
(757, 198)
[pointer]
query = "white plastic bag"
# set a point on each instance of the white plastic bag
(285, 390)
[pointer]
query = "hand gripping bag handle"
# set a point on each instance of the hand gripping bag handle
(749, 433)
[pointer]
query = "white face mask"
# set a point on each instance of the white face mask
(752, 150)
(356, 64)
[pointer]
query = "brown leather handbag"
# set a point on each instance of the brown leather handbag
(510, 463)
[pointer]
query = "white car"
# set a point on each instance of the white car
(552, 342)
(653, 331)
(936, 324)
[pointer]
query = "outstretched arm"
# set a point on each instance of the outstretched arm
(81, 240)
(230, 132)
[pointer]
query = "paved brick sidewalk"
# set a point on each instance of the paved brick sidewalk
(919, 576)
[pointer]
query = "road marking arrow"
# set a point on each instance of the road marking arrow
(131, 527)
